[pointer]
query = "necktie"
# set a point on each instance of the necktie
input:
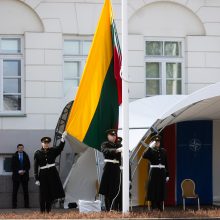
(21, 159)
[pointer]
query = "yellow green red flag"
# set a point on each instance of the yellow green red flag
(97, 101)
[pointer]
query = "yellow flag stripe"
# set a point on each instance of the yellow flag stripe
(95, 70)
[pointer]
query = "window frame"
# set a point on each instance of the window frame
(12, 56)
(2, 157)
(163, 60)
(81, 58)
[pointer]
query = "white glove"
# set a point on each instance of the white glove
(119, 150)
(21, 171)
(64, 136)
(167, 178)
(152, 144)
(37, 182)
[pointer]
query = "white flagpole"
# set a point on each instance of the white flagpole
(125, 111)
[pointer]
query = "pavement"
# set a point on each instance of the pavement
(137, 214)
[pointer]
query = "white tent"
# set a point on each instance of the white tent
(157, 111)
(144, 112)
(160, 111)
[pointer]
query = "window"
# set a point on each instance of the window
(164, 67)
(11, 76)
(75, 54)
(5, 164)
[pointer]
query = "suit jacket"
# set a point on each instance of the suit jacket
(16, 166)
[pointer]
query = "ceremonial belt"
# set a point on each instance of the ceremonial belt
(111, 161)
(48, 166)
(160, 166)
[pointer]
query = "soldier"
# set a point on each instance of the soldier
(111, 182)
(20, 174)
(46, 174)
(158, 173)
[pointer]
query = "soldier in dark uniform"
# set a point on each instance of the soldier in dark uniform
(158, 173)
(111, 182)
(20, 174)
(46, 174)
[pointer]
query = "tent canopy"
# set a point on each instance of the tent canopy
(143, 113)
(160, 111)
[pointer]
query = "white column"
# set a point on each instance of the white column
(125, 110)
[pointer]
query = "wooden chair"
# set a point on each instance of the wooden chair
(188, 191)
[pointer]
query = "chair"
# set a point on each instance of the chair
(188, 191)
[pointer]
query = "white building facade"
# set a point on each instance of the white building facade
(174, 48)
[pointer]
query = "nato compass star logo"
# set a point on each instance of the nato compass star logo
(195, 144)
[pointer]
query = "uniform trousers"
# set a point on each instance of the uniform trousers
(45, 201)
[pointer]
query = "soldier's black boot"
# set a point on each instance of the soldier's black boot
(42, 207)
(160, 206)
(153, 205)
(107, 204)
(48, 207)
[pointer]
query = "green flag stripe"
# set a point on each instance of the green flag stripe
(106, 115)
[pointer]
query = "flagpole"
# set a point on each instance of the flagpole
(125, 111)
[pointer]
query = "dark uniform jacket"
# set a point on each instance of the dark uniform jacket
(157, 176)
(110, 182)
(50, 182)
(16, 166)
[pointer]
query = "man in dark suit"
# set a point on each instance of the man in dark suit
(20, 169)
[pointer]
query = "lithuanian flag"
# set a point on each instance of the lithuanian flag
(97, 101)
